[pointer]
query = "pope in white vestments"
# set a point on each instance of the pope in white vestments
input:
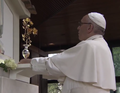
(85, 68)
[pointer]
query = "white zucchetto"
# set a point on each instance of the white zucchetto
(98, 19)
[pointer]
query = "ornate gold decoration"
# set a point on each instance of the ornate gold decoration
(27, 26)
(27, 23)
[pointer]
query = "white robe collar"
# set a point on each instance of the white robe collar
(94, 37)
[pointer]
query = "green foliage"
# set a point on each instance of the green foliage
(8, 64)
(5, 68)
(118, 84)
(116, 59)
(53, 88)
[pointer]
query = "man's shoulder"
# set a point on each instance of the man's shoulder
(87, 43)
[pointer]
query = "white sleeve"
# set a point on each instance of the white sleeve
(44, 66)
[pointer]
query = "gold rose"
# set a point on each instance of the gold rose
(27, 23)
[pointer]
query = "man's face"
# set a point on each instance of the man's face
(83, 28)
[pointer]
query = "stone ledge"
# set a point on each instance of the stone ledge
(13, 86)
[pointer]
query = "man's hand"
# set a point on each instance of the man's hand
(24, 61)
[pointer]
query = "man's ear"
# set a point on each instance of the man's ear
(90, 28)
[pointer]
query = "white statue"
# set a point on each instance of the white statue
(1, 48)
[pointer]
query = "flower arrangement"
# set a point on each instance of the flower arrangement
(8, 64)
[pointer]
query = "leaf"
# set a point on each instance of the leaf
(29, 30)
(23, 20)
(27, 20)
(23, 35)
(23, 27)
(28, 26)
(4, 67)
(35, 31)
(31, 23)
(24, 23)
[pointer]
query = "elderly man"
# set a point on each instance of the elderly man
(88, 66)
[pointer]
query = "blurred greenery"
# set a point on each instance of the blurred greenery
(116, 59)
(54, 88)
(118, 87)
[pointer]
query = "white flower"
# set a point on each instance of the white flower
(10, 63)
(14, 66)
(1, 61)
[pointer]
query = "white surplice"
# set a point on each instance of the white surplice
(88, 65)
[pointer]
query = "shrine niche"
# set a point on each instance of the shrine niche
(10, 79)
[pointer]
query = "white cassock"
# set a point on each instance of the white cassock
(85, 68)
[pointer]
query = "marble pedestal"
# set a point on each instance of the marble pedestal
(8, 85)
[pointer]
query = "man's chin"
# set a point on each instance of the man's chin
(79, 38)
